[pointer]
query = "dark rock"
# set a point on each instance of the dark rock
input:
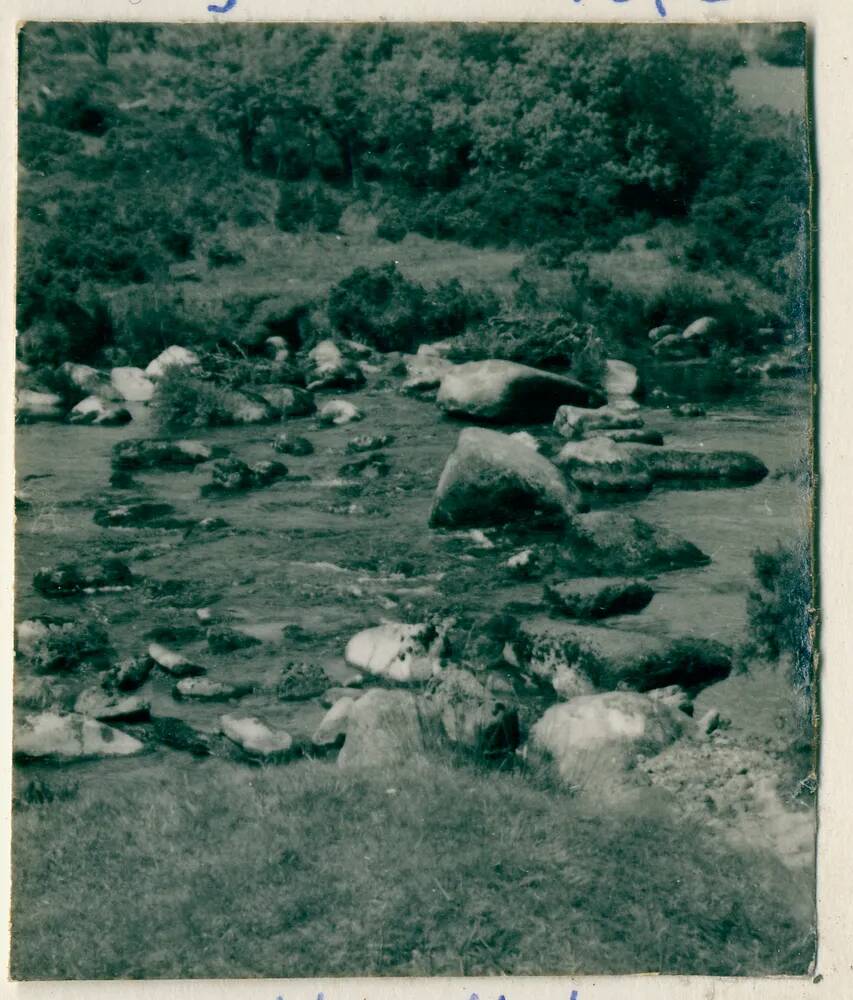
(178, 735)
(129, 674)
(592, 598)
(231, 475)
(68, 646)
(223, 639)
(151, 453)
(688, 410)
(370, 467)
(69, 579)
(292, 444)
(632, 436)
(601, 465)
(330, 369)
(726, 468)
(607, 541)
(153, 515)
(300, 681)
(492, 479)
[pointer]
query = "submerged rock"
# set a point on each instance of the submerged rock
(608, 541)
(99, 413)
(172, 356)
(492, 479)
(293, 444)
(602, 465)
(68, 579)
(132, 384)
(255, 738)
(506, 392)
(32, 407)
(173, 663)
(153, 453)
(598, 597)
(594, 739)
(383, 730)
(396, 652)
(53, 736)
(339, 411)
(205, 689)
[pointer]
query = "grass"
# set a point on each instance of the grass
(427, 870)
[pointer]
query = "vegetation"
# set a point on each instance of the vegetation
(262, 883)
(556, 141)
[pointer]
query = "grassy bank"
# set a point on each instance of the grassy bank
(431, 870)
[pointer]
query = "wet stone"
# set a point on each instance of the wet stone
(598, 598)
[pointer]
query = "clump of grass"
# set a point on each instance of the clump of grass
(185, 400)
(425, 869)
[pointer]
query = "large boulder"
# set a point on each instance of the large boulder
(491, 478)
(397, 652)
(574, 422)
(602, 465)
(612, 542)
(596, 739)
(58, 737)
(90, 380)
(32, 407)
(328, 368)
(99, 412)
(723, 468)
(596, 597)
(505, 392)
(333, 727)
(172, 356)
(383, 730)
(132, 384)
(424, 373)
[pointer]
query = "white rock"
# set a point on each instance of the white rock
(32, 406)
(339, 411)
(620, 380)
(334, 724)
(204, 689)
(255, 736)
(526, 438)
(28, 634)
(70, 737)
(174, 355)
(97, 704)
(396, 652)
(702, 327)
(172, 662)
(99, 412)
(132, 384)
(575, 421)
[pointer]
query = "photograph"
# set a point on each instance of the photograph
(415, 555)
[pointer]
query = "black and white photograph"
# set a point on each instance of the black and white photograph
(415, 513)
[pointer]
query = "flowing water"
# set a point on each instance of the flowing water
(309, 561)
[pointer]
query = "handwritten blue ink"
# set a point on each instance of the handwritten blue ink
(223, 9)
(574, 995)
(659, 7)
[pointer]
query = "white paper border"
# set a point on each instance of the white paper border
(830, 25)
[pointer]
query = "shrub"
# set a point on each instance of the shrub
(392, 226)
(150, 320)
(219, 255)
(301, 207)
(46, 342)
(183, 400)
(780, 612)
(783, 47)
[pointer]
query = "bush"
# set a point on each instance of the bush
(783, 46)
(183, 400)
(301, 207)
(219, 255)
(46, 342)
(780, 612)
(148, 321)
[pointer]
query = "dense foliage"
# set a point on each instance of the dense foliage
(146, 146)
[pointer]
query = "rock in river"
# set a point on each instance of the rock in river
(54, 736)
(339, 411)
(492, 479)
(173, 663)
(574, 421)
(330, 369)
(396, 652)
(153, 453)
(68, 579)
(205, 689)
(254, 737)
(132, 384)
(97, 704)
(602, 465)
(99, 413)
(174, 355)
(31, 407)
(597, 597)
(506, 392)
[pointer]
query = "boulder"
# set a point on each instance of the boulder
(368, 442)
(334, 694)
(243, 407)
(600, 464)
(609, 541)
(573, 421)
(470, 717)
(90, 380)
(97, 704)
(276, 348)
(100, 413)
(703, 328)
(596, 597)
(492, 479)
(68, 579)
(173, 663)
(524, 564)
(724, 468)
(151, 453)
(339, 411)
(383, 730)
(32, 407)
(333, 727)
(525, 438)
(29, 634)
(204, 689)
(329, 369)
(300, 681)
(146, 514)
(506, 392)
(231, 475)
(596, 738)
(174, 355)
(54, 736)
(424, 373)
(132, 384)
(255, 738)
(287, 401)
(293, 444)
(129, 674)
(659, 332)
(396, 652)
(621, 382)
(66, 646)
